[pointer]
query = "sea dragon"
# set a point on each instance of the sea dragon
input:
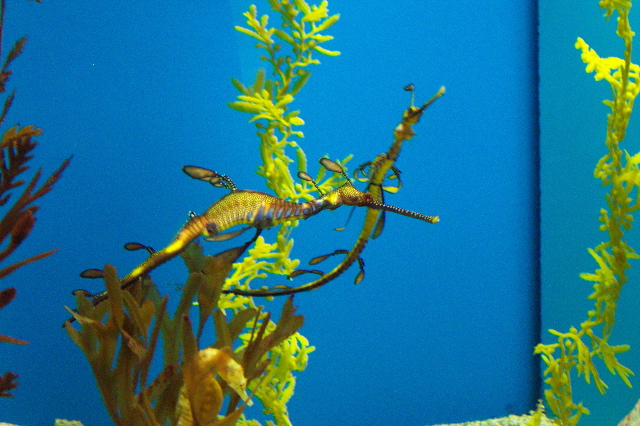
(374, 219)
(260, 211)
(252, 208)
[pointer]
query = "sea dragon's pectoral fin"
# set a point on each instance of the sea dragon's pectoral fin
(225, 236)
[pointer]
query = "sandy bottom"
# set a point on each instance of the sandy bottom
(504, 421)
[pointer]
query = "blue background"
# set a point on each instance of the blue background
(443, 326)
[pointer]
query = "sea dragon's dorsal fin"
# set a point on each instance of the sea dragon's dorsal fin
(215, 179)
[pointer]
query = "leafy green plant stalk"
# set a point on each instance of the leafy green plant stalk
(289, 53)
(619, 171)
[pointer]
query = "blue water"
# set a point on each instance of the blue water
(443, 326)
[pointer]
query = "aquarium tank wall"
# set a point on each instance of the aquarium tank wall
(443, 325)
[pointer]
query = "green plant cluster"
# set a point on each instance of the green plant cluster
(619, 171)
(121, 338)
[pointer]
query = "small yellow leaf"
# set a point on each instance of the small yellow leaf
(248, 32)
(326, 52)
(296, 121)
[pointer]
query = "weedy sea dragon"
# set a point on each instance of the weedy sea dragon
(374, 220)
(257, 210)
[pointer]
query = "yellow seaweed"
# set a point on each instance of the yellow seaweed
(619, 172)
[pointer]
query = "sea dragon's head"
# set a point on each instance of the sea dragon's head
(349, 195)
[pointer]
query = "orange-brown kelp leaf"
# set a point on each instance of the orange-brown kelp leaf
(11, 268)
(23, 226)
(227, 333)
(133, 345)
(9, 339)
(14, 133)
(239, 321)
(216, 269)
(141, 313)
(7, 102)
(201, 396)
(19, 144)
(17, 148)
(287, 325)
(5, 72)
(7, 383)
(112, 283)
(193, 257)
(255, 347)
(219, 266)
(15, 51)
(145, 363)
(152, 392)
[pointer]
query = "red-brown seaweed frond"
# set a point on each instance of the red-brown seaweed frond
(16, 146)
(7, 382)
(15, 151)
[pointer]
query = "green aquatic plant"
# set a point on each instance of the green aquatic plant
(289, 55)
(619, 171)
(120, 338)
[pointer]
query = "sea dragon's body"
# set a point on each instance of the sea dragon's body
(240, 207)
